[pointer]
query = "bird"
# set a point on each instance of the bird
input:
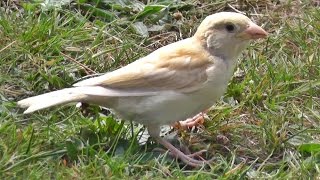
(172, 83)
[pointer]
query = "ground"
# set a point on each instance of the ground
(265, 126)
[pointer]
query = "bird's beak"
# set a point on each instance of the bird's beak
(253, 31)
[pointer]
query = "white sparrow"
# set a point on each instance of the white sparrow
(173, 83)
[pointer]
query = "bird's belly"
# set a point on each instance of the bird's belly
(166, 107)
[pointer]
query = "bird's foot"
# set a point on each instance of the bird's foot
(193, 155)
(191, 122)
(188, 159)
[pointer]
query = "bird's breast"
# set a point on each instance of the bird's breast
(219, 73)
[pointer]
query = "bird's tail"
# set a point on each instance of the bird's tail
(54, 98)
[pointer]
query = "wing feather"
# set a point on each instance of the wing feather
(172, 67)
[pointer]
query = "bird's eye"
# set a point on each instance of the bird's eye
(230, 27)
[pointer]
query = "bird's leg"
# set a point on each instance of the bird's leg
(196, 154)
(188, 159)
(190, 122)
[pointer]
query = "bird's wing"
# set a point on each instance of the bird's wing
(172, 68)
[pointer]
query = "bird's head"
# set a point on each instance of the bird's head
(226, 34)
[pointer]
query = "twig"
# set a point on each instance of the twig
(7, 46)
(86, 68)
(236, 10)
(11, 92)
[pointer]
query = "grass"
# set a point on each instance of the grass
(266, 125)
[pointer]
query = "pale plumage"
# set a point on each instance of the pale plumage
(172, 83)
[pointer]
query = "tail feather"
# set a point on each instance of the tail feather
(91, 94)
(43, 101)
